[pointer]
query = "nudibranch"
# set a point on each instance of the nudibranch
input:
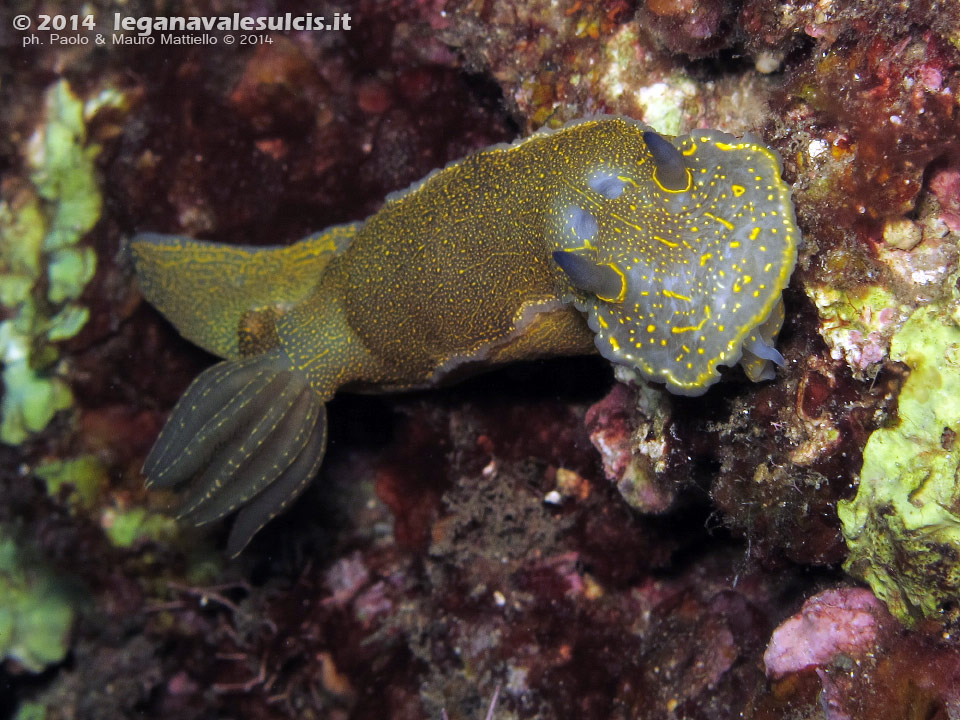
(669, 255)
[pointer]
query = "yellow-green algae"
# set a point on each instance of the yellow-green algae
(31, 711)
(36, 611)
(127, 527)
(43, 270)
(85, 476)
(903, 527)
(857, 323)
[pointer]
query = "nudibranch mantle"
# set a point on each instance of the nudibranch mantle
(668, 255)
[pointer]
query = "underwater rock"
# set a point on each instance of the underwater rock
(462, 575)
(945, 184)
(845, 656)
(844, 620)
(627, 429)
(696, 28)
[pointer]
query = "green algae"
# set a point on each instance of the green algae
(62, 170)
(31, 711)
(85, 476)
(126, 528)
(83, 479)
(837, 307)
(43, 269)
(903, 526)
(857, 323)
(36, 612)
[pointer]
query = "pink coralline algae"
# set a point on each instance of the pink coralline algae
(844, 620)
(846, 654)
(611, 427)
(624, 429)
(945, 185)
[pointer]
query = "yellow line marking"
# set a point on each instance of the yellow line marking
(666, 189)
(689, 328)
(623, 284)
(726, 223)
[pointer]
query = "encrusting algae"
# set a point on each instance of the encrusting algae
(903, 528)
(43, 266)
(677, 251)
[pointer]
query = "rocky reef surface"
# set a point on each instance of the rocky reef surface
(558, 535)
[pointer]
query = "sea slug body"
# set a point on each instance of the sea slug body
(668, 255)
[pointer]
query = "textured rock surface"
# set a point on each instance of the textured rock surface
(475, 537)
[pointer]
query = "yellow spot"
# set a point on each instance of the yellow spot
(678, 296)
(690, 150)
(735, 244)
(626, 179)
(614, 344)
(602, 322)
(738, 190)
(651, 328)
(704, 258)
(665, 242)
(754, 233)
(725, 146)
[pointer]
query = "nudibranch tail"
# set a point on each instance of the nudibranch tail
(206, 288)
(248, 432)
